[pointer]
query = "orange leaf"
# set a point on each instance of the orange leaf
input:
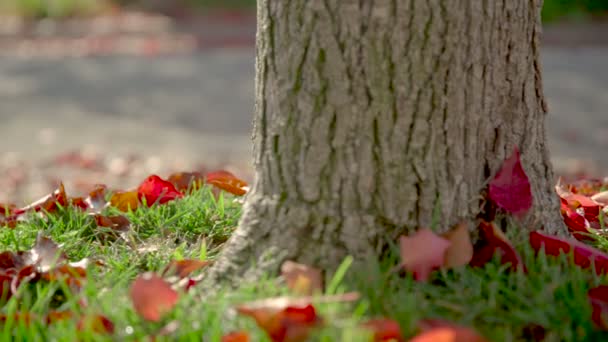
(422, 252)
(384, 329)
(236, 336)
(152, 296)
(460, 251)
(125, 200)
(227, 181)
(302, 279)
(449, 334)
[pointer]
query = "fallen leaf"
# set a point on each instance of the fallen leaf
(495, 242)
(187, 181)
(152, 297)
(157, 190)
(291, 323)
(46, 253)
(460, 250)
(49, 203)
(115, 225)
(183, 268)
(598, 297)
(585, 256)
(422, 252)
(96, 201)
(302, 279)
(97, 323)
(125, 200)
(227, 181)
(236, 336)
(577, 224)
(510, 188)
(287, 319)
(601, 197)
(449, 334)
(384, 329)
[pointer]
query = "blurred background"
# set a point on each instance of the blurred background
(109, 91)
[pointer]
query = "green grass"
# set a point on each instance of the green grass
(501, 305)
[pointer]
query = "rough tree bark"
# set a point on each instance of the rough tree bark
(371, 114)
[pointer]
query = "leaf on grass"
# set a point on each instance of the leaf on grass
(96, 201)
(236, 336)
(291, 323)
(49, 203)
(460, 250)
(384, 329)
(157, 190)
(183, 268)
(575, 202)
(227, 181)
(510, 188)
(577, 224)
(115, 226)
(422, 252)
(125, 200)
(302, 279)
(46, 254)
(585, 256)
(449, 334)
(287, 319)
(99, 324)
(495, 242)
(598, 297)
(601, 197)
(187, 181)
(152, 297)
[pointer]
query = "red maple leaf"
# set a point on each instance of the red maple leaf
(510, 188)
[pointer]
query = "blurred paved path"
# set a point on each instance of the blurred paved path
(200, 106)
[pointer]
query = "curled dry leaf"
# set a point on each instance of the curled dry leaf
(157, 190)
(510, 187)
(577, 224)
(422, 252)
(152, 297)
(125, 200)
(598, 297)
(460, 250)
(227, 181)
(585, 256)
(495, 242)
(236, 336)
(302, 279)
(384, 329)
(96, 201)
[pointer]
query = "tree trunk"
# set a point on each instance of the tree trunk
(374, 118)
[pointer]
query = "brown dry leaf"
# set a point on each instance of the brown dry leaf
(125, 200)
(460, 251)
(302, 279)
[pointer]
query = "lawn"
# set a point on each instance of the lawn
(528, 295)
